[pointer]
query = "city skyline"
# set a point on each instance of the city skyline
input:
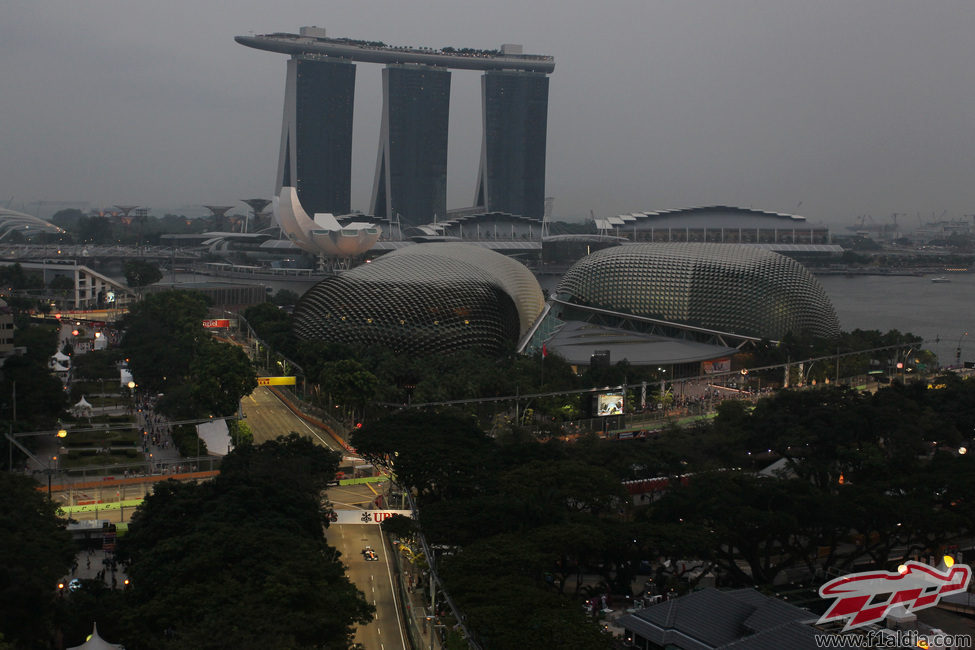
(830, 111)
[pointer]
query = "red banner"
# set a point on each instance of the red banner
(217, 323)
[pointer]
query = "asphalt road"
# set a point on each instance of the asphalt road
(269, 418)
(375, 580)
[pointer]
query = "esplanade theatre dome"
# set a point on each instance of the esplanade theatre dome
(425, 299)
(727, 288)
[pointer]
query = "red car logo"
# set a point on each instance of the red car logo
(864, 598)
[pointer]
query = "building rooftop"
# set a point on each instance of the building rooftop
(312, 40)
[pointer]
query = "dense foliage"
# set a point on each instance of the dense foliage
(139, 273)
(850, 480)
(241, 561)
(37, 553)
(171, 353)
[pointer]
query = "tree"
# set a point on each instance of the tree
(442, 456)
(40, 339)
(139, 273)
(222, 374)
(97, 364)
(272, 325)
(39, 553)
(163, 333)
(741, 520)
(490, 583)
(61, 285)
(285, 297)
(95, 230)
(40, 396)
(204, 558)
(349, 384)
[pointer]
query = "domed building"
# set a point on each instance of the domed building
(425, 299)
(680, 303)
(727, 288)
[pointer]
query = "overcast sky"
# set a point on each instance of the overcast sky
(831, 109)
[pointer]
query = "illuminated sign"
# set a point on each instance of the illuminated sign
(609, 403)
(366, 517)
(217, 323)
(276, 381)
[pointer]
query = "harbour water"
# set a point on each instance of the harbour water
(939, 312)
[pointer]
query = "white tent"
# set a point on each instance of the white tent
(216, 435)
(83, 407)
(57, 367)
(61, 356)
(95, 642)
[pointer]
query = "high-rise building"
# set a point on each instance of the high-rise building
(411, 168)
(515, 115)
(316, 134)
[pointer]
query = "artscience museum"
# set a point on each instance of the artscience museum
(323, 235)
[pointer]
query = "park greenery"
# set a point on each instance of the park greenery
(859, 480)
(240, 561)
(170, 353)
(31, 398)
(37, 552)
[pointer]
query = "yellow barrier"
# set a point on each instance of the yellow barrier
(110, 505)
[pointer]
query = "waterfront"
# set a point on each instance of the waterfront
(939, 312)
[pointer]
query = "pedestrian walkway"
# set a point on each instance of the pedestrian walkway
(97, 564)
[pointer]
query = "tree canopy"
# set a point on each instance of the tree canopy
(38, 552)
(204, 559)
(139, 273)
(170, 352)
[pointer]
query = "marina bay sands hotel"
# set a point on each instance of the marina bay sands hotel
(411, 169)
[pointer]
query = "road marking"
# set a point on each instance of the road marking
(392, 589)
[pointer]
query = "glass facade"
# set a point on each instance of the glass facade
(512, 175)
(728, 288)
(316, 138)
(411, 172)
(424, 299)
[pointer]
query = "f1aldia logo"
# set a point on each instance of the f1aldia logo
(865, 598)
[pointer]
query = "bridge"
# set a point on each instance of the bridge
(95, 254)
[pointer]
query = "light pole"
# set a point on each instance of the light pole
(663, 384)
(958, 349)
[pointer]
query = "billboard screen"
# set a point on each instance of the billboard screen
(718, 365)
(609, 403)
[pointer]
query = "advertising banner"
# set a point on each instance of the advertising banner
(217, 323)
(276, 381)
(718, 365)
(366, 516)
